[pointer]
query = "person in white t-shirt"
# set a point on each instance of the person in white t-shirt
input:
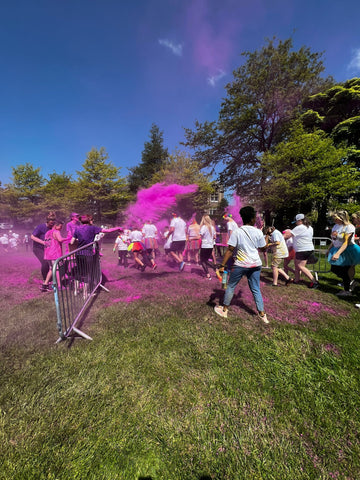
(246, 241)
(121, 245)
(275, 239)
(207, 234)
(304, 248)
(178, 232)
(231, 225)
(339, 253)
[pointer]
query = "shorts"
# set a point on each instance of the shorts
(276, 262)
(178, 246)
(303, 255)
(193, 244)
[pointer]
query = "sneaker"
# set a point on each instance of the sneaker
(154, 267)
(142, 268)
(288, 281)
(353, 284)
(263, 318)
(314, 285)
(208, 278)
(45, 288)
(357, 305)
(181, 267)
(344, 293)
(220, 311)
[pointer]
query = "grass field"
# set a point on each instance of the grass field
(168, 390)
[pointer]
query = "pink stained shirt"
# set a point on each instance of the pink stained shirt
(53, 247)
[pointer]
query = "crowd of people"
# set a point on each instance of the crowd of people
(196, 243)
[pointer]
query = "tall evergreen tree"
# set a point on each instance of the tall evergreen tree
(153, 158)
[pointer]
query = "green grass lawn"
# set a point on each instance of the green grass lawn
(168, 390)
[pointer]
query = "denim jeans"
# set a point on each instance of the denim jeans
(253, 277)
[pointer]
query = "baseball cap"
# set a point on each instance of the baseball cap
(299, 216)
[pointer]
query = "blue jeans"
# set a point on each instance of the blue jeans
(253, 277)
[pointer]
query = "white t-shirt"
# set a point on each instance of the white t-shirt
(303, 238)
(338, 233)
(179, 233)
(149, 230)
(247, 239)
(281, 250)
(121, 242)
(207, 238)
(231, 226)
(136, 236)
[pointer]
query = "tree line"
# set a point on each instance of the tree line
(286, 140)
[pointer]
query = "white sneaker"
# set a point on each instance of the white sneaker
(357, 305)
(263, 318)
(353, 284)
(220, 311)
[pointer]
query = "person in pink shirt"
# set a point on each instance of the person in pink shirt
(53, 250)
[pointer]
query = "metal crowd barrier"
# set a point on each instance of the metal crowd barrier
(321, 244)
(76, 277)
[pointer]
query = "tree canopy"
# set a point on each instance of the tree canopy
(307, 173)
(262, 101)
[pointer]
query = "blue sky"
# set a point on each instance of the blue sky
(80, 74)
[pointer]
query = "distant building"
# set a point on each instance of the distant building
(215, 200)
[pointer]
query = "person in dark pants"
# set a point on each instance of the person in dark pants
(38, 238)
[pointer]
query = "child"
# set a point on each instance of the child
(275, 239)
(121, 243)
(52, 251)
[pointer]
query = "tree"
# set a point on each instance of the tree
(100, 190)
(180, 168)
(153, 158)
(307, 173)
(337, 112)
(58, 194)
(265, 96)
(24, 193)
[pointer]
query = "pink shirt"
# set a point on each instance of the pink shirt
(53, 248)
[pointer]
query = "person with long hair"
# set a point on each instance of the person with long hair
(339, 253)
(53, 251)
(193, 241)
(207, 234)
(302, 234)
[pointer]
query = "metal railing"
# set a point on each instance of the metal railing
(76, 277)
(321, 244)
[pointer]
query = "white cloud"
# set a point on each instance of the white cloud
(176, 49)
(213, 80)
(355, 61)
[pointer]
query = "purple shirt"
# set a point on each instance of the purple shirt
(85, 234)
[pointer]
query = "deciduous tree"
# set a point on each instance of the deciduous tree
(264, 97)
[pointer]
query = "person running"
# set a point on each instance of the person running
(178, 232)
(121, 245)
(245, 241)
(275, 239)
(150, 233)
(304, 248)
(207, 234)
(193, 241)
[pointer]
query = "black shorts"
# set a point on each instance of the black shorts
(178, 246)
(303, 255)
